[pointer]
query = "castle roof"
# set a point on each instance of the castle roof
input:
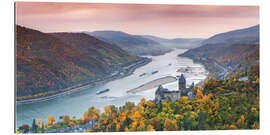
(174, 91)
(182, 78)
(161, 90)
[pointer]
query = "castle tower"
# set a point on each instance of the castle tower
(181, 82)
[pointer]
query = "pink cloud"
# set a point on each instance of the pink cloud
(161, 20)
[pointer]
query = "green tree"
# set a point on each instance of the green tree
(201, 120)
(34, 126)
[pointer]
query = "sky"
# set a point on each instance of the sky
(168, 21)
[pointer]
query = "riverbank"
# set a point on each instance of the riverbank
(153, 84)
(128, 70)
(75, 104)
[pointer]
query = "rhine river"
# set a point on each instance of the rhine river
(77, 103)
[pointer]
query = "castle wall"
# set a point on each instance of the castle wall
(163, 94)
(172, 96)
(157, 98)
(181, 86)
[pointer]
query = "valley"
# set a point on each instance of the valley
(60, 73)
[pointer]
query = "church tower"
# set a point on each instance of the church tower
(181, 82)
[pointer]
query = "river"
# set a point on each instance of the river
(76, 103)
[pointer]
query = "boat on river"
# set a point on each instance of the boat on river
(142, 74)
(154, 72)
(102, 91)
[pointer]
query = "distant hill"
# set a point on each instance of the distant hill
(49, 62)
(182, 43)
(244, 36)
(233, 51)
(134, 44)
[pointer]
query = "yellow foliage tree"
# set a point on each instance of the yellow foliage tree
(45, 126)
(199, 94)
(242, 118)
(142, 123)
(234, 79)
(117, 127)
(122, 117)
(141, 109)
(150, 128)
(94, 113)
(143, 100)
(74, 119)
(136, 116)
(179, 117)
(170, 125)
(115, 121)
(257, 80)
(134, 125)
(51, 119)
(66, 119)
(184, 99)
(39, 121)
(85, 115)
(233, 126)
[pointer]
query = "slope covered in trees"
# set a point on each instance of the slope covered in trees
(134, 44)
(47, 63)
(244, 36)
(227, 104)
(219, 105)
(228, 53)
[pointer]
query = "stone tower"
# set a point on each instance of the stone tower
(181, 82)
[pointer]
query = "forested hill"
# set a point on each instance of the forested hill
(134, 44)
(242, 36)
(47, 62)
(228, 53)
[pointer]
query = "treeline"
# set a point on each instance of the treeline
(47, 63)
(219, 105)
(234, 58)
(226, 104)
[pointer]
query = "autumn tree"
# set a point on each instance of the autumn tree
(66, 119)
(93, 113)
(199, 94)
(150, 128)
(51, 119)
(170, 125)
(157, 124)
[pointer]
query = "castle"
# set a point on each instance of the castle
(163, 94)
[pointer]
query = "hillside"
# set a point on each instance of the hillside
(181, 43)
(47, 63)
(224, 53)
(243, 36)
(134, 44)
